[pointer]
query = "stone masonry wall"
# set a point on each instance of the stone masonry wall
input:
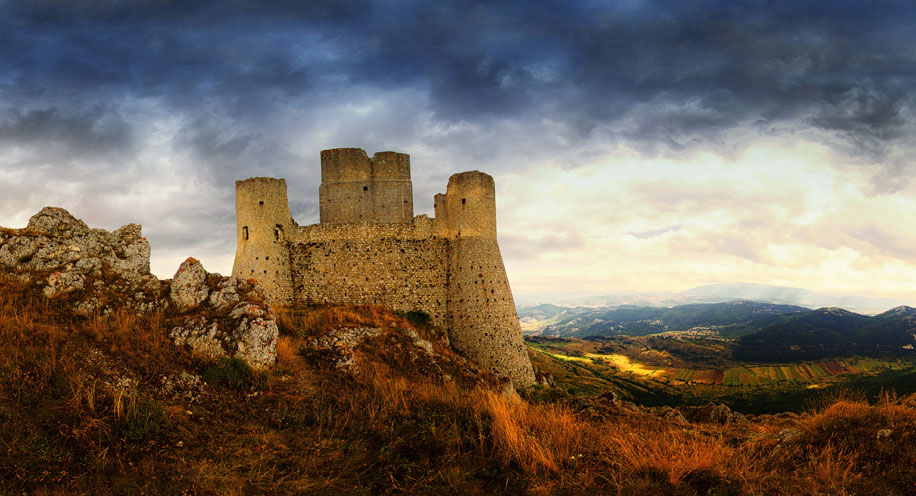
(482, 320)
(400, 266)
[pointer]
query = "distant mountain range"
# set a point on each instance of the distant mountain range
(731, 319)
(762, 332)
(720, 293)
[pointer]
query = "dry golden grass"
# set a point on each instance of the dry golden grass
(314, 320)
(540, 438)
(287, 347)
(391, 429)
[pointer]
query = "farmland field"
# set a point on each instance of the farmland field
(811, 373)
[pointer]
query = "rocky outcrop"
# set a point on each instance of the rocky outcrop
(238, 321)
(87, 268)
(712, 414)
(406, 351)
(340, 345)
(609, 405)
(93, 271)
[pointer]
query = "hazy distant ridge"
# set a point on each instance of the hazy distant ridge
(720, 293)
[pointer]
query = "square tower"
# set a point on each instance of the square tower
(358, 189)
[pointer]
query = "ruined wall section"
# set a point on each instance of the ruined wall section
(400, 266)
(263, 225)
(482, 319)
(355, 188)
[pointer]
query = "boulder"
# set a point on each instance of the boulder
(339, 344)
(202, 336)
(239, 321)
(189, 286)
(670, 414)
(61, 283)
(787, 435)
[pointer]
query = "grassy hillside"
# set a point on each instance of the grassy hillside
(106, 405)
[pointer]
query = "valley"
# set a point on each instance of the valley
(814, 374)
(692, 370)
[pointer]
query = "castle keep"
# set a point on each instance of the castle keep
(369, 249)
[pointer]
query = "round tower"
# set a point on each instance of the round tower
(263, 225)
(470, 205)
(482, 320)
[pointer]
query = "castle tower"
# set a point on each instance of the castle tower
(263, 224)
(358, 189)
(482, 320)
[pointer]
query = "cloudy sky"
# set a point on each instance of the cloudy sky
(637, 145)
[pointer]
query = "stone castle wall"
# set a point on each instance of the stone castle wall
(401, 266)
(369, 249)
(482, 320)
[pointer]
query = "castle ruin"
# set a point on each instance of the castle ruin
(369, 249)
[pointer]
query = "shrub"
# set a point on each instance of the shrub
(233, 373)
(417, 318)
(144, 420)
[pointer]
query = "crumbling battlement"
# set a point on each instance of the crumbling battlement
(369, 249)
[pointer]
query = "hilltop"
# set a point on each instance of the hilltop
(364, 400)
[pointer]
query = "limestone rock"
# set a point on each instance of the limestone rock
(62, 254)
(203, 337)
(714, 414)
(338, 347)
(340, 344)
(256, 341)
(544, 379)
(226, 294)
(189, 286)
(60, 283)
(51, 220)
(92, 270)
(671, 414)
(253, 341)
(240, 325)
(186, 386)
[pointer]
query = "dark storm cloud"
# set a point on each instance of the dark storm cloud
(67, 135)
(658, 72)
